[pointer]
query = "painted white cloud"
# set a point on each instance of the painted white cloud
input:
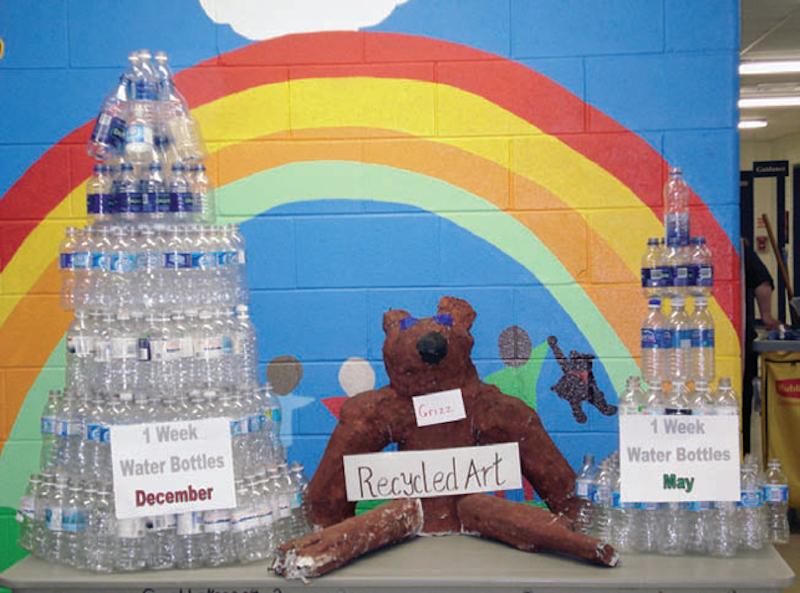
(264, 19)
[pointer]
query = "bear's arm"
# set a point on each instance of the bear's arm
(505, 419)
(364, 427)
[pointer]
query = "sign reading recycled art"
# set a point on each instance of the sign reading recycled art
(434, 472)
(172, 467)
(676, 458)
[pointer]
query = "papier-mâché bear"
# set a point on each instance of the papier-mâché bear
(425, 356)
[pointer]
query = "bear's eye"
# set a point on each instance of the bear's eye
(444, 319)
(408, 322)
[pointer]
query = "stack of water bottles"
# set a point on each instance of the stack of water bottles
(161, 333)
(716, 528)
(678, 354)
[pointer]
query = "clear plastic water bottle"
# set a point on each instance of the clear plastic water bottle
(100, 195)
(751, 509)
(203, 193)
(127, 194)
(82, 268)
(676, 209)
(26, 514)
(139, 135)
(98, 292)
(682, 269)
(41, 533)
(190, 540)
(245, 527)
(681, 333)
(183, 128)
(47, 455)
(656, 342)
(209, 352)
(153, 190)
(66, 263)
(123, 368)
(55, 546)
(625, 521)
(702, 268)
(219, 539)
(98, 436)
(584, 489)
(702, 343)
(725, 401)
(651, 269)
(160, 534)
(655, 399)
(181, 205)
(673, 528)
(776, 497)
(101, 529)
(678, 402)
(601, 502)
(74, 522)
(129, 553)
(632, 400)
(108, 135)
(282, 490)
(300, 524)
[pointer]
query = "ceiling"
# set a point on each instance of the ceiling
(770, 31)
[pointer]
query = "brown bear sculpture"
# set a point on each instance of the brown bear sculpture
(425, 356)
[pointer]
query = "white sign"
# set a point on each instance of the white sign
(439, 407)
(678, 458)
(433, 472)
(172, 467)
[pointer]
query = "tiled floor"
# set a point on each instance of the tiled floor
(791, 553)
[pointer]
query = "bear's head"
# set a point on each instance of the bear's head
(425, 355)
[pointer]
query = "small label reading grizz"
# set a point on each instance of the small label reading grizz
(439, 407)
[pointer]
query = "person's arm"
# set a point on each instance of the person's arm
(763, 294)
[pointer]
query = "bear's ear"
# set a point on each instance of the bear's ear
(460, 310)
(392, 318)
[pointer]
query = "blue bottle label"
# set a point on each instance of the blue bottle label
(700, 506)
(180, 202)
(255, 423)
(702, 338)
(650, 277)
(81, 261)
(99, 203)
(128, 201)
(649, 339)
(100, 261)
(177, 260)
(677, 228)
(73, 520)
(109, 130)
(776, 493)
(649, 506)
(584, 489)
(666, 276)
(48, 425)
(705, 275)
(682, 338)
(122, 263)
(150, 200)
(94, 432)
(751, 499)
(65, 261)
(203, 261)
(239, 427)
(664, 338)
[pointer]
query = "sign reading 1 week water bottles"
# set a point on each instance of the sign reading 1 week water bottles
(678, 458)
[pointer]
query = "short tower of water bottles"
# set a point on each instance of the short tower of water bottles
(678, 369)
(161, 332)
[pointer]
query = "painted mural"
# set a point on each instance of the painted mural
(379, 155)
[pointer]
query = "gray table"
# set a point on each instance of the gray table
(455, 563)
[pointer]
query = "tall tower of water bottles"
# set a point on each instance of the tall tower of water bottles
(678, 367)
(161, 332)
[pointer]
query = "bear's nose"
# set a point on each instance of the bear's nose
(432, 347)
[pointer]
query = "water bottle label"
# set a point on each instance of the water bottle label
(81, 261)
(68, 428)
(144, 349)
(128, 202)
(751, 499)
(629, 505)
(255, 423)
(297, 500)
(700, 506)
(217, 521)
(677, 227)
(241, 257)
(138, 137)
(682, 276)
(227, 345)
(221, 257)
(148, 261)
(102, 350)
(584, 489)
(94, 432)
(243, 519)
(203, 261)
(181, 202)
(187, 347)
(163, 203)
(122, 263)
(666, 274)
(705, 275)
(702, 338)
(284, 508)
(161, 522)
(150, 200)
(190, 523)
(266, 516)
(26, 508)
(80, 346)
(124, 348)
(166, 350)
(130, 528)
(682, 338)
(105, 435)
(109, 130)
(615, 501)
(601, 495)
(273, 415)
(65, 261)
(73, 520)
(649, 506)
(100, 261)
(99, 203)
(52, 519)
(239, 427)
(177, 261)
(48, 425)
(209, 347)
(649, 339)
(776, 493)
(648, 281)
(677, 412)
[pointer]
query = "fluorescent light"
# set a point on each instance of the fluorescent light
(752, 124)
(785, 101)
(770, 67)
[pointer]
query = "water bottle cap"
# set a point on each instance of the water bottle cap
(678, 301)
(161, 55)
(155, 166)
(178, 167)
(654, 303)
(724, 382)
(652, 241)
(126, 167)
(700, 300)
(144, 54)
(675, 171)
